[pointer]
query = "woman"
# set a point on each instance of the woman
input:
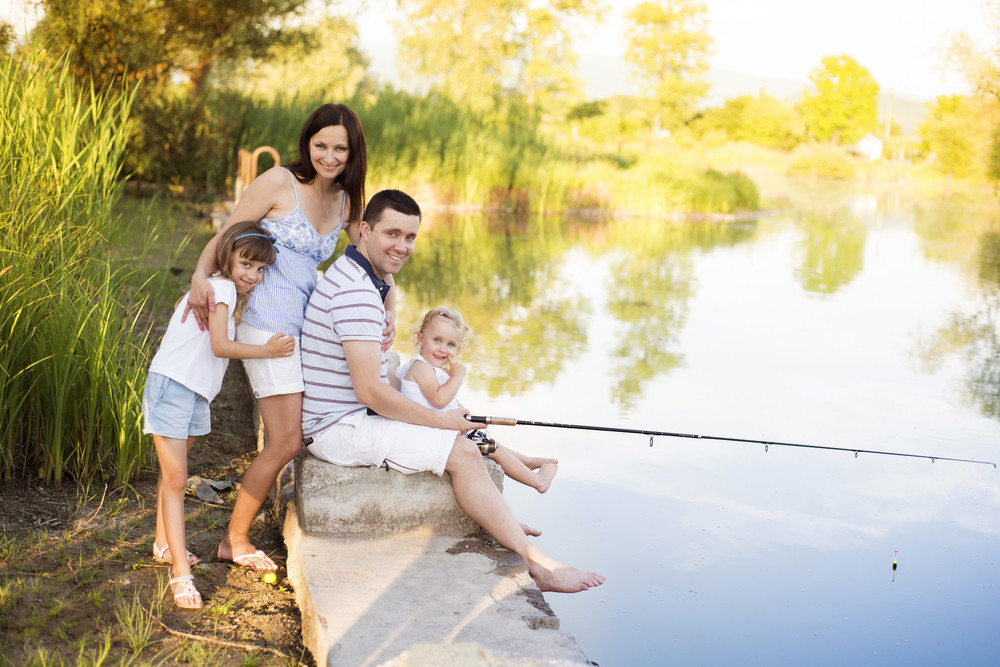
(304, 205)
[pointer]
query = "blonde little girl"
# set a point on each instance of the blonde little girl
(433, 378)
(186, 374)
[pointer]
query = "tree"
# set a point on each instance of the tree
(761, 120)
(474, 51)
(667, 43)
(981, 69)
(957, 132)
(150, 40)
(845, 104)
(292, 68)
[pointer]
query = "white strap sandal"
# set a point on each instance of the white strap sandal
(187, 590)
(162, 555)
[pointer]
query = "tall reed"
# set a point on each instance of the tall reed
(71, 353)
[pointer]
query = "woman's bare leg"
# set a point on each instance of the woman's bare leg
(282, 415)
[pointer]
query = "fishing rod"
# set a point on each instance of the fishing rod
(510, 421)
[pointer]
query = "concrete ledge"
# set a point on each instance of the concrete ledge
(335, 501)
(418, 598)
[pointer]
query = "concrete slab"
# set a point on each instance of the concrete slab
(337, 501)
(420, 598)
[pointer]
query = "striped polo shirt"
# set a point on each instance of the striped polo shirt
(347, 304)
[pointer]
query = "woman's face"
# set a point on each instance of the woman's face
(329, 151)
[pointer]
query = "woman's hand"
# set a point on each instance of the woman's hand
(389, 333)
(201, 301)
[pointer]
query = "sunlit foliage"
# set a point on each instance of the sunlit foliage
(668, 44)
(475, 51)
(844, 105)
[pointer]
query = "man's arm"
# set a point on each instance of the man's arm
(364, 359)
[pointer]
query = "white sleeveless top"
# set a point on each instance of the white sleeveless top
(411, 389)
(278, 303)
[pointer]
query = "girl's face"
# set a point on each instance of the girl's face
(440, 342)
(246, 273)
(329, 151)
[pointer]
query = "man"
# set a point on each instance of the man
(346, 372)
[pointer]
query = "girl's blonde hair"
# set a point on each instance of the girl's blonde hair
(452, 316)
(251, 241)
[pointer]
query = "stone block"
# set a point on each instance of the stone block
(338, 501)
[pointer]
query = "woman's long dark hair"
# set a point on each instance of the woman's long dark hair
(353, 177)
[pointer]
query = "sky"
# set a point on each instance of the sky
(900, 43)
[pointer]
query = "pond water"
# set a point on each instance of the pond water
(845, 317)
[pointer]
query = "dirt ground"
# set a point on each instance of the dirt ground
(78, 584)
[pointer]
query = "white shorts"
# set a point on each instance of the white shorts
(273, 376)
(373, 441)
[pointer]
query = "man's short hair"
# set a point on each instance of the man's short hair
(389, 199)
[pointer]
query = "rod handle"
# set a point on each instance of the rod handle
(500, 421)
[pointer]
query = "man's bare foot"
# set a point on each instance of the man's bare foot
(246, 555)
(561, 578)
(529, 531)
(545, 474)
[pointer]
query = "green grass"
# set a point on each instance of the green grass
(72, 358)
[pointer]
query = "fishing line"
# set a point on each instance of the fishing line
(511, 421)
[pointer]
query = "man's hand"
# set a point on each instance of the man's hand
(458, 421)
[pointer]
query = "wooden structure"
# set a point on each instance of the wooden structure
(247, 168)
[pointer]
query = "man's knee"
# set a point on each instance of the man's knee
(464, 454)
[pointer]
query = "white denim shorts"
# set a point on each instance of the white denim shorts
(274, 376)
(372, 440)
(171, 410)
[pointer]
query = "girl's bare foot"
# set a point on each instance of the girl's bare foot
(545, 474)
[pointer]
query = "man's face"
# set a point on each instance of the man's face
(390, 243)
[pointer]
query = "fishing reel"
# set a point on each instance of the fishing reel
(485, 443)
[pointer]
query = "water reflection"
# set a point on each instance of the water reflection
(830, 251)
(974, 336)
(714, 551)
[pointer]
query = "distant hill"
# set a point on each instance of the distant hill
(605, 76)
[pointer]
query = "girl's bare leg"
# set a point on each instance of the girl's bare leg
(532, 462)
(161, 536)
(172, 454)
(514, 468)
(282, 415)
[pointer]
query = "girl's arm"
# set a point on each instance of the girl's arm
(279, 345)
(438, 395)
(259, 199)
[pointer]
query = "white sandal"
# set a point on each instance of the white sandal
(187, 591)
(162, 555)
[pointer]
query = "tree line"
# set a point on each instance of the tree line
(205, 69)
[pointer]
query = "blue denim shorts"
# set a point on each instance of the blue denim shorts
(171, 410)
